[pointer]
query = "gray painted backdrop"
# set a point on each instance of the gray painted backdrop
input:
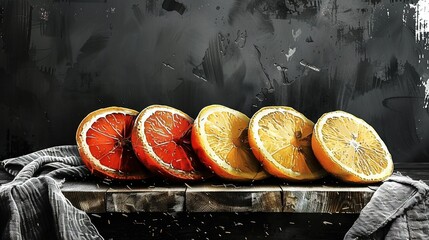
(60, 60)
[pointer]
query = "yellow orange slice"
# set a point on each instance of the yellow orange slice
(219, 137)
(351, 149)
(280, 137)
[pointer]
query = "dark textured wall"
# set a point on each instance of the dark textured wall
(59, 60)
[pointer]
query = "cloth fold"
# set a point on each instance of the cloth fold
(32, 205)
(399, 209)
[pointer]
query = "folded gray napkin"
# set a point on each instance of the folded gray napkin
(32, 205)
(398, 210)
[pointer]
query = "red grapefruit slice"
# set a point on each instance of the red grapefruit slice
(103, 139)
(161, 140)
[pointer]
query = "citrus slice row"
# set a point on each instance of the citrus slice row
(103, 139)
(280, 138)
(351, 149)
(161, 140)
(219, 137)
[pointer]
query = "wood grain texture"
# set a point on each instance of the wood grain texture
(145, 199)
(325, 199)
(95, 197)
(223, 198)
(88, 197)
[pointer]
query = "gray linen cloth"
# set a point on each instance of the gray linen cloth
(32, 205)
(398, 210)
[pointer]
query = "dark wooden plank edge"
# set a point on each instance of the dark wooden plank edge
(230, 198)
(218, 198)
(145, 199)
(325, 199)
(89, 197)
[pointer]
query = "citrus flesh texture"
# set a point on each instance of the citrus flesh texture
(162, 141)
(350, 149)
(104, 142)
(280, 137)
(219, 137)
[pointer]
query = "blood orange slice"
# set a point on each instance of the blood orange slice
(161, 140)
(103, 139)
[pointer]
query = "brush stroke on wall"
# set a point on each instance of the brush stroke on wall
(61, 59)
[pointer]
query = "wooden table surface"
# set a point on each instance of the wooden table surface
(325, 196)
